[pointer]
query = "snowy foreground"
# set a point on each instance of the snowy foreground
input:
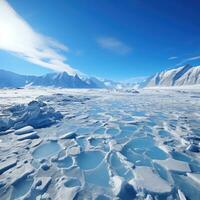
(97, 144)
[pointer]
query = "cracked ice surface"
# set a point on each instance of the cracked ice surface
(99, 144)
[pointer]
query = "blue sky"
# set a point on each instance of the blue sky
(109, 38)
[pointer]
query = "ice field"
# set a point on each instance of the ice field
(100, 144)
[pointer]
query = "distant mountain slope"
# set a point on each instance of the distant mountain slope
(185, 75)
(63, 80)
(10, 79)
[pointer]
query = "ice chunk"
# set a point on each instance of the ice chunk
(32, 135)
(7, 164)
(148, 181)
(36, 114)
(69, 135)
(174, 165)
(24, 130)
(35, 142)
(6, 132)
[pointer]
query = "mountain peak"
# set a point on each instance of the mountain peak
(62, 75)
(185, 75)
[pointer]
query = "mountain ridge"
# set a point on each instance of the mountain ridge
(180, 76)
(184, 75)
(63, 79)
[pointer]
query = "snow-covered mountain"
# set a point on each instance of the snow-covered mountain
(185, 75)
(10, 79)
(63, 80)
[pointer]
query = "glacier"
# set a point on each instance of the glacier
(74, 144)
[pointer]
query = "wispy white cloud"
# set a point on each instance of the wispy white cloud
(173, 58)
(18, 37)
(113, 44)
(192, 58)
(189, 59)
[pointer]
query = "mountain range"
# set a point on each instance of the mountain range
(185, 75)
(64, 80)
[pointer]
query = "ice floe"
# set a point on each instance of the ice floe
(99, 144)
(148, 181)
(174, 165)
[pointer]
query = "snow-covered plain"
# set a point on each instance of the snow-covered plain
(99, 144)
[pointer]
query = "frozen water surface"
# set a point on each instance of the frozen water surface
(90, 159)
(98, 176)
(100, 144)
(156, 153)
(21, 188)
(46, 150)
(65, 162)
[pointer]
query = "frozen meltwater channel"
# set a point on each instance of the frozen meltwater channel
(99, 144)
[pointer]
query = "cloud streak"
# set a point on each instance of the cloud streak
(173, 58)
(18, 37)
(189, 59)
(113, 44)
(192, 58)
